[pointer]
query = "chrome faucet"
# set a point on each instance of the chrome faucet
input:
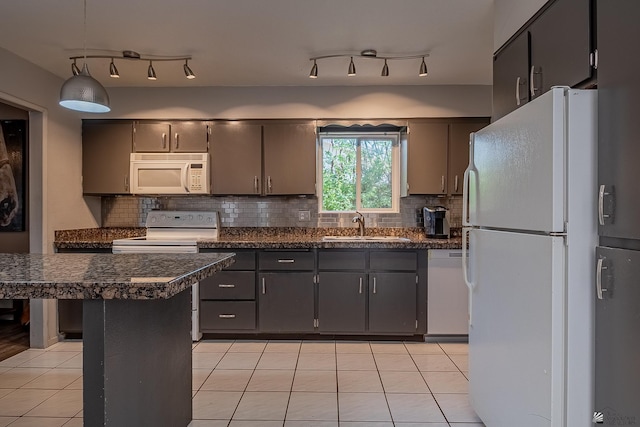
(360, 220)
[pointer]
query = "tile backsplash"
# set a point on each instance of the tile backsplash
(272, 211)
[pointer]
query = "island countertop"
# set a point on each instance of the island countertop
(104, 275)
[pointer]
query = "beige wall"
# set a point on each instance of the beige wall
(509, 16)
(55, 179)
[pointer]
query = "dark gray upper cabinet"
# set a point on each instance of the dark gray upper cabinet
(459, 152)
(511, 76)
(554, 49)
(618, 113)
(162, 137)
(289, 158)
(236, 158)
(106, 150)
(617, 336)
(560, 46)
(427, 158)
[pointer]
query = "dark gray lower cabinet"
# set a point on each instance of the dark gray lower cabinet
(392, 302)
(286, 302)
(342, 302)
(617, 343)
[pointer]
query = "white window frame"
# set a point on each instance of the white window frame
(395, 170)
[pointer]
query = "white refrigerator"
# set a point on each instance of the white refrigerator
(530, 224)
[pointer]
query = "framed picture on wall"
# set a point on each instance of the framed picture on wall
(13, 158)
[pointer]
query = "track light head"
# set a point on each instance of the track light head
(74, 68)
(352, 68)
(187, 70)
(423, 68)
(151, 73)
(314, 71)
(113, 71)
(385, 69)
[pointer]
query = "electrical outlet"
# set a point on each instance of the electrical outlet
(304, 215)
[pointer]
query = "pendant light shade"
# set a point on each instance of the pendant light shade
(84, 93)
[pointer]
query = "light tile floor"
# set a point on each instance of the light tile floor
(269, 383)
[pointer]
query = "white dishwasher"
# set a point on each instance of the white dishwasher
(447, 294)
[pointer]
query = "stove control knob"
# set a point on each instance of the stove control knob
(209, 219)
(190, 217)
(153, 219)
(163, 217)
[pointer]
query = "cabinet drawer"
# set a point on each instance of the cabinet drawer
(244, 260)
(229, 285)
(227, 315)
(393, 260)
(338, 260)
(286, 260)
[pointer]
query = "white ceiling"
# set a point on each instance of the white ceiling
(258, 42)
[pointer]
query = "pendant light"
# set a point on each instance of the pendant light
(82, 92)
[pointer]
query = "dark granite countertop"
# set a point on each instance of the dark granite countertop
(265, 238)
(105, 276)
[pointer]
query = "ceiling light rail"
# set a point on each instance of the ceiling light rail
(135, 56)
(369, 54)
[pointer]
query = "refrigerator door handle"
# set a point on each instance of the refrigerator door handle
(599, 269)
(465, 270)
(465, 183)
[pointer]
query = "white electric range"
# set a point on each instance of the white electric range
(175, 232)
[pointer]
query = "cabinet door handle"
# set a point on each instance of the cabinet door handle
(126, 183)
(256, 184)
(227, 316)
(286, 261)
(164, 140)
(177, 140)
(375, 290)
(360, 288)
(455, 184)
(518, 91)
(269, 187)
(601, 193)
(222, 285)
(599, 269)
(264, 286)
(532, 85)
(442, 183)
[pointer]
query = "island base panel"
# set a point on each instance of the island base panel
(137, 362)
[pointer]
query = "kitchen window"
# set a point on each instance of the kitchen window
(359, 171)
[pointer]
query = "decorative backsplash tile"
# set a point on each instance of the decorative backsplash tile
(131, 211)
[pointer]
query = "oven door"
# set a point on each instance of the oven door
(151, 177)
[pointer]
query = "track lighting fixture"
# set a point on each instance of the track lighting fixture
(151, 73)
(369, 54)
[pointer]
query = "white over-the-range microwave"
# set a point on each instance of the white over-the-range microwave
(170, 173)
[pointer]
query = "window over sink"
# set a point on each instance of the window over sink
(359, 171)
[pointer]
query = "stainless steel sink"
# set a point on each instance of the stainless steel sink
(389, 239)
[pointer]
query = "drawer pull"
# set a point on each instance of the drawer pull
(222, 285)
(286, 261)
(227, 316)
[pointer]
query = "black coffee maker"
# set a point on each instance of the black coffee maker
(436, 222)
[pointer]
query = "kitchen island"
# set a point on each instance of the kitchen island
(137, 321)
